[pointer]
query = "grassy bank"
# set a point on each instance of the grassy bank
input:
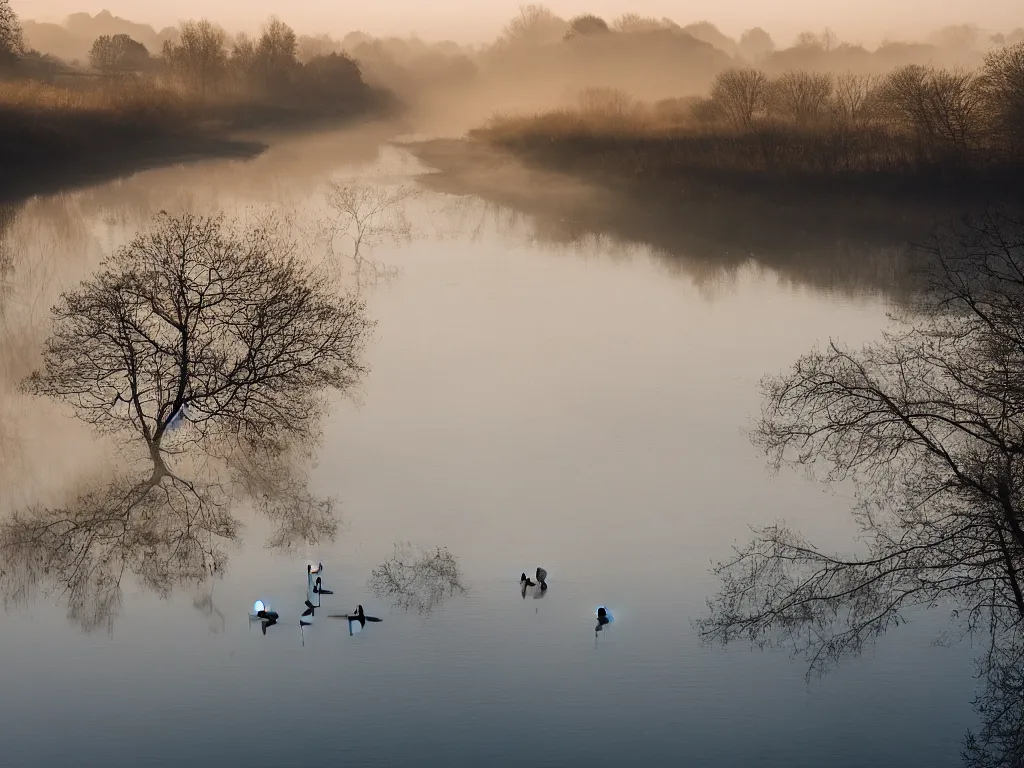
(917, 130)
(53, 135)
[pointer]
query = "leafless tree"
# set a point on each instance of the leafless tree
(417, 579)
(163, 530)
(741, 95)
(945, 109)
(367, 215)
(928, 424)
(199, 55)
(854, 99)
(802, 97)
(998, 742)
(194, 322)
(533, 25)
(1003, 79)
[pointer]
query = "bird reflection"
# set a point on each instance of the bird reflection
(356, 619)
(316, 586)
(524, 583)
(603, 619)
(262, 612)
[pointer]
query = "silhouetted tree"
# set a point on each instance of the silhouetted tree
(276, 53)
(928, 424)
(232, 331)
(740, 95)
(1003, 79)
(118, 54)
(199, 55)
(944, 109)
(802, 97)
(11, 42)
(634, 22)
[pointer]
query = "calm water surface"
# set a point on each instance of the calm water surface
(578, 406)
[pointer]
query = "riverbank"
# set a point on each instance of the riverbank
(53, 138)
(664, 155)
(848, 243)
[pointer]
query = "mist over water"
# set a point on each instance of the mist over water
(536, 396)
(568, 311)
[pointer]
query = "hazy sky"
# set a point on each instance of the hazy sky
(865, 21)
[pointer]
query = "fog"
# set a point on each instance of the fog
(867, 22)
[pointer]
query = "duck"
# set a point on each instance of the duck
(542, 577)
(603, 618)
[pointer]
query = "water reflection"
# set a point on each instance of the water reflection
(845, 245)
(416, 579)
(209, 349)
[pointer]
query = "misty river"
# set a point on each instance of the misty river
(536, 396)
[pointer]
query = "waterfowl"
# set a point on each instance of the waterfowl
(355, 618)
(603, 618)
(262, 613)
(315, 584)
(542, 577)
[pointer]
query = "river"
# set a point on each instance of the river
(575, 402)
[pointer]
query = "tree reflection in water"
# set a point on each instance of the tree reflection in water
(417, 579)
(928, 424)
(195, 317)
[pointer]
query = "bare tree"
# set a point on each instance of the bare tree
(800, 96)
(533, 25)
(928, 423)
(416, 579)
(741, 95)
(163, 530)
(943, 108)
(634, 22)
(854, 99)
(1003, 79)
(199, 56)
(194, 321)
(276, 52)
(367, 215)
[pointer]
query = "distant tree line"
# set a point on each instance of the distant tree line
(915, 115)
(205, 61)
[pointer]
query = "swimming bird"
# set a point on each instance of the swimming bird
(353, 618)
(261, 612)
(603, 618)
(542, 577)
